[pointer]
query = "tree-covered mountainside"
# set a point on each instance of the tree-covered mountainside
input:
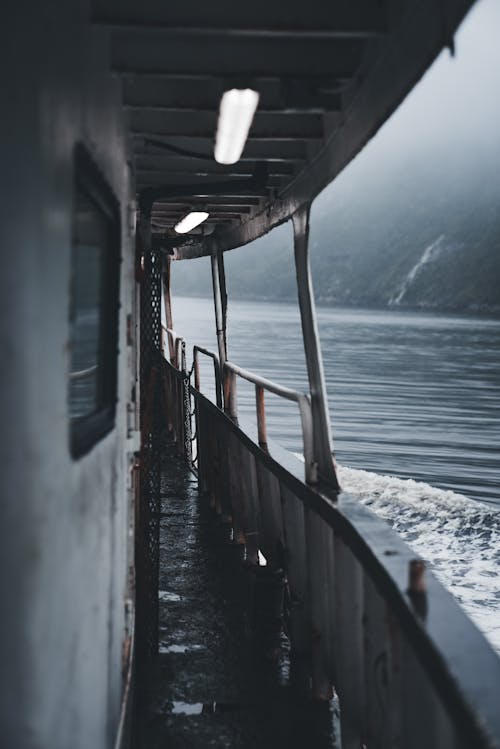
(420, 234)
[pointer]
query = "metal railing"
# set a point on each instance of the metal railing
(228, 387)
(177, 347)
(217, 374)
(176, 388)
(231, 371)
(363, 615)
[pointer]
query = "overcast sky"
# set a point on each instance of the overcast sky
(457, 102)
(447, 127)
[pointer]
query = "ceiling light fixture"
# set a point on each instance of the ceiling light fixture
(236, 111)
(190, 221)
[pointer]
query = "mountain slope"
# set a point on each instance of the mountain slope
(419, 235)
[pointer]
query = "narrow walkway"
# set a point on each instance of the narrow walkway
(224, 678)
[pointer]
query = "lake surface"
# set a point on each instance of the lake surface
(415, 411)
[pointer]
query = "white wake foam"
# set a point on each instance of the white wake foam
(458, 536)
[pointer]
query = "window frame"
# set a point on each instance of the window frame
(86, 431)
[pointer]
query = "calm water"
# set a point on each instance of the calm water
(411, 395)
(415, 409)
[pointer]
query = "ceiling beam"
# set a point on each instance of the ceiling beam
(239, 211)
(342, 18)
(198, 167)
(278, 151)
(157, 177)
(159, 52)
(215, 201)
(173, 218)
(202, 124)
(204, 92)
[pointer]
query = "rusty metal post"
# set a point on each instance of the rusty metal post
(321, 422)
(261, 416)
(230, 399)
(167, 302)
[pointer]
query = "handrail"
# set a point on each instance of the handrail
(231, 371)
(177, 342)
(82, 374)
(218, 380)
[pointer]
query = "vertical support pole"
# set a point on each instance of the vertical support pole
(321, 422)
(223, 295)
(220, 304)
(167, 302)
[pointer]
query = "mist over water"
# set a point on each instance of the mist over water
(415, 410)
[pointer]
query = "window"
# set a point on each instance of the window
(93, 314)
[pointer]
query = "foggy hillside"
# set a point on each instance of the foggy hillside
(434, 242)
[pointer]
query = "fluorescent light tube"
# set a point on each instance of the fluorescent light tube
(236, 111)
(195, 218)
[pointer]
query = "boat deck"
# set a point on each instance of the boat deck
(224, 677)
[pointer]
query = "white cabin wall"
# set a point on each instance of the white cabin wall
(63, 562)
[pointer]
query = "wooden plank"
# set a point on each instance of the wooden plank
(237, 509)
(296, 572)
(418, 699)
(250, 497)
(349, 645)
(377, 669)
(319, 566)
(272, 541)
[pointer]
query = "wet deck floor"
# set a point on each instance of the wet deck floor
(224, 676)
